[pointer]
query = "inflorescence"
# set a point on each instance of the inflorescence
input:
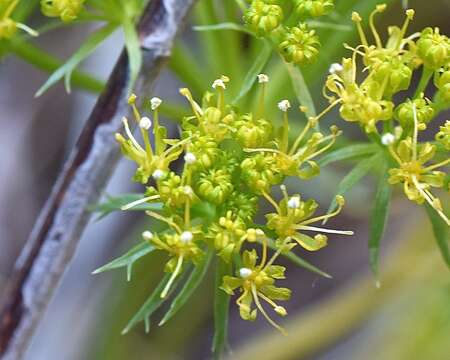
(367, 98)
(296, 42)
(230, 160)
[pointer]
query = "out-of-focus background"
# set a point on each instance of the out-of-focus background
(346, 317)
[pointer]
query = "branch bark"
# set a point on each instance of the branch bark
(57, 231)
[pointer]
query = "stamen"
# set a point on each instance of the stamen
(130, 135)
(335, 68)
(388, 139)
(138, 202)
(27, 29)
(245, 273)
(172, 278)
(272, 201)
(190, 158)
(294, 202)
(163, 219)
(329, 231)
(155, 102)
(379, 9)
(414, 144)
(158, 174)
(409, 16)
(186, 237)
(195, 107)
(147, 235)
(357, 19)
(145, 123)
(258, 305)
(438, 165)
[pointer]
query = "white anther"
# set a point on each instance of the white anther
(155, 102)
(293, 202)
(145, 123)
(186, 237)
(218, 83)
(263, 78)
(188, 190)
(147, 235)
(158, 174)
(284, 105)
(245, 272)
(190, 158)
(335, 68)
(388, 139)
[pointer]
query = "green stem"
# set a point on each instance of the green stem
(427, 73)
(48, 63)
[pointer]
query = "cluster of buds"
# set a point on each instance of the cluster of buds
(367, 97)
(8, 26)
(297, 44)
(229, 161)
(66, 10)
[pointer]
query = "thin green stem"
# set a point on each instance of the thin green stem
(427, 73)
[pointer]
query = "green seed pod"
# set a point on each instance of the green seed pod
(263, 18)
(299, 45)
(259, 172)
(313, 8)
(252, 133)
(433, 48)
(215, 185)
(443, 136)
(8, 28)
(405, 112)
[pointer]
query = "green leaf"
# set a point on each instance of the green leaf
(348, 152)
(133, 47)
(353, 177)
(301, 90)
(221, 310)
(127, 260)
(297, 260)
(82, 53)
(257, 67)
(441, 233)
(149, 307)
(378, 219)
(189, 287)
(223, 26)
(115, 203)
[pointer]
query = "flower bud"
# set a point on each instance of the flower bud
(263, 18)
(8, 28)
(299, 45)
(442, 82)
(313, 8)
(405, 112)
(443, 136)
(215, 186)
(67, 10)
(433, 48)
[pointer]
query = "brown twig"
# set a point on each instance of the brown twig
(55, 235)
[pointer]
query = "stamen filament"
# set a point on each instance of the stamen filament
(329, 231)
(138, 202)
(300, 137)
(130, 135)
(173, 277)
(260, 308)
(162, 218)
(438, 165)
(374, 29)
(429, 199)
(272, 201)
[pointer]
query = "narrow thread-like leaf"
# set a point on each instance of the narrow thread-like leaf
(133, 47)
(221, 309)
(115, 203)
(127, 260)
(378, 219)
(222, 26)
(348, 152)
(301, 90)
(353, 177)
(257, 67)
(297, 260)
(189, 287)
(441, 233)
(82, 53)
